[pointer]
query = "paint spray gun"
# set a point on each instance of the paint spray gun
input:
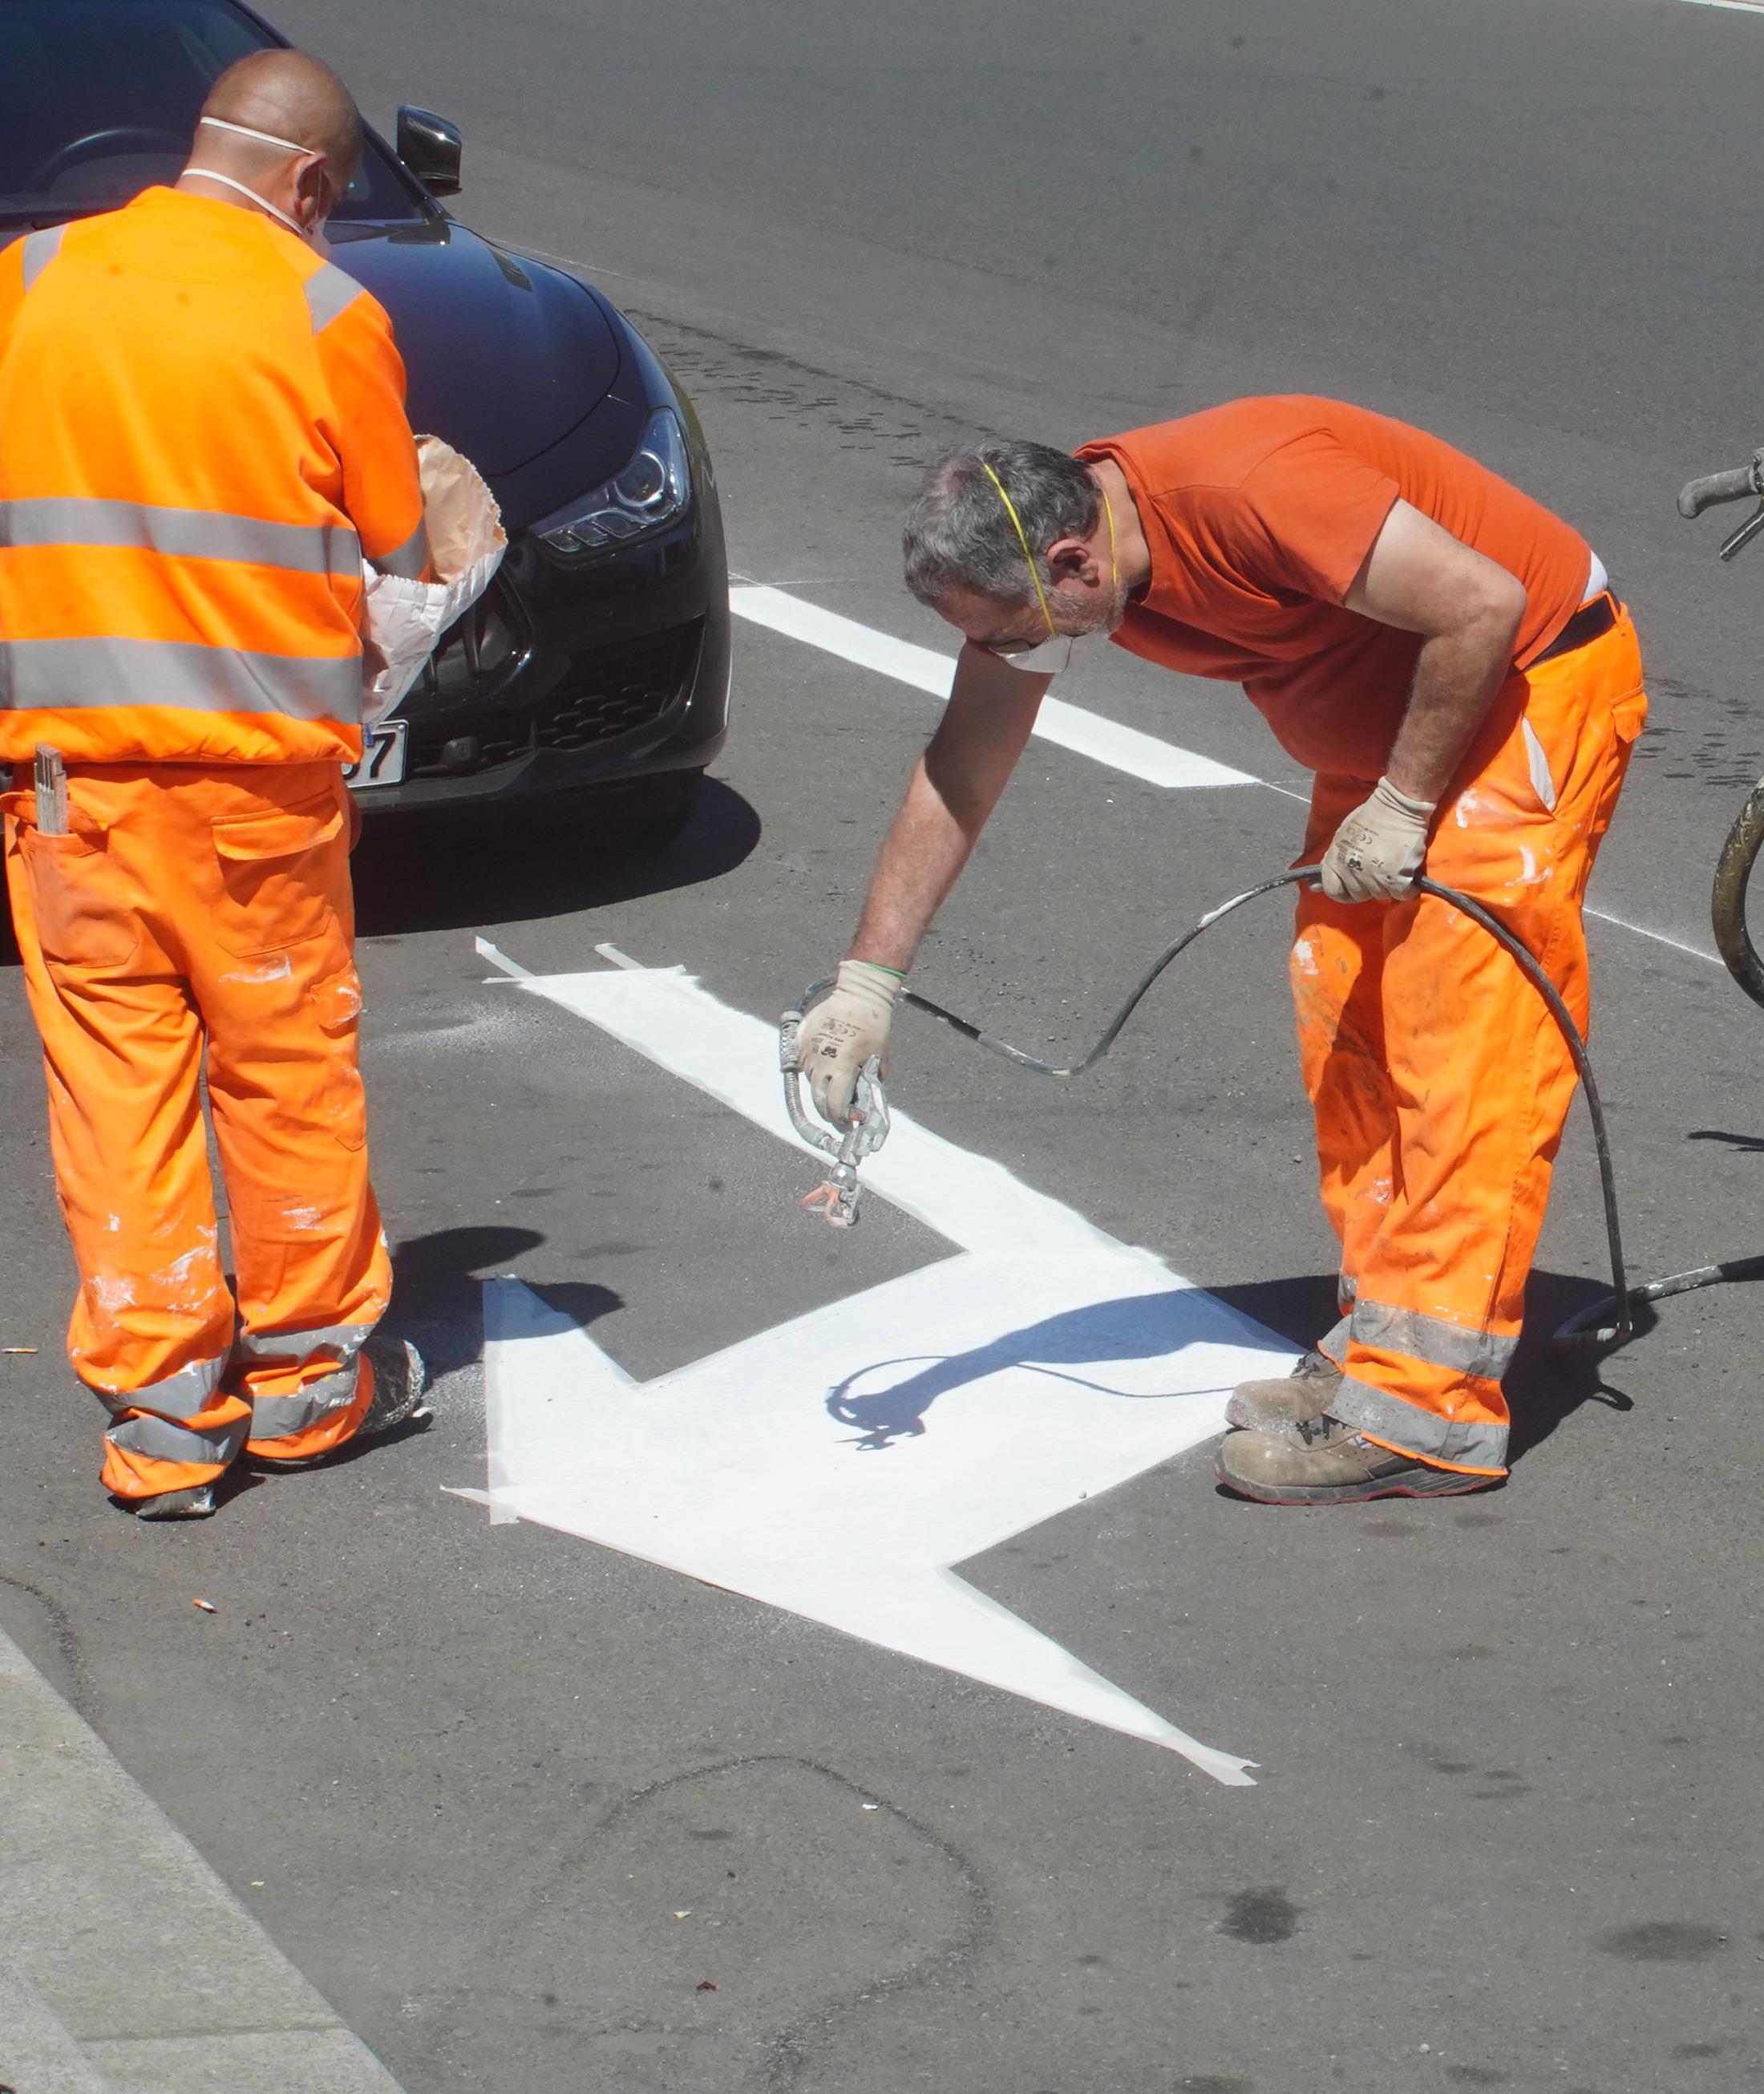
(836, 1197)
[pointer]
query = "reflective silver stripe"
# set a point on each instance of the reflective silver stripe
(328, 292)
(40, 249)
(1333, 1345)
(281, 1417)
(410, 558)
(54, 674)
(1431, 1338)
(181, 1395)
(196, 534)
(1459, 1443)
(343, 1341)
(1346, 1286)
(161, 1441)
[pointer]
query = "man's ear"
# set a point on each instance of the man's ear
(310, 185)
(1071, 558)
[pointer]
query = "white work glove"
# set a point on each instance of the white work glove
(841, 1030)
(1379, 848)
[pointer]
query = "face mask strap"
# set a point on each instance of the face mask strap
(262, 137)
(263, 203)
(1022, 539)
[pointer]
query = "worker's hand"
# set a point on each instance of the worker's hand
(1379, 848)
(841, 1030)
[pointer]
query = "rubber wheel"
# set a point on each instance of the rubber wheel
(1727, 906)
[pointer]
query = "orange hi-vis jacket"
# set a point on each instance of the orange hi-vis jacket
(204, 434)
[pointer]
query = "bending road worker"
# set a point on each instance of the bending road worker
(202, 433)
(1449, 660)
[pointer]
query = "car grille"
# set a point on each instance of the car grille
(602, 697)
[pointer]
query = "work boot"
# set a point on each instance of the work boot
(195, 1501)
(1283, 1401)
(401, 1388)
(1324, 1461)
(401, 1385)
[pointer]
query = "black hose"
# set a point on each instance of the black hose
(1575, 1334)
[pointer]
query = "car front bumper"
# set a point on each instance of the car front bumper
(586, 679)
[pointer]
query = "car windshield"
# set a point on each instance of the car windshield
(99, 99)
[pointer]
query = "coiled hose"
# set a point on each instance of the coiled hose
(1587, 1329)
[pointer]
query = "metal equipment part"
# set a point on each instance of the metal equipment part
(837, 1197)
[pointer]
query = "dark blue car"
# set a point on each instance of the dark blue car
(597, 665)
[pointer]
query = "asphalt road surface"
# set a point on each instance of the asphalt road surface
(508, 1799)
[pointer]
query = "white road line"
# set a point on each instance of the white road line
(1642, 930)
(1738, 6)
(1125, 748)
(1070, 727)
(839, 1465)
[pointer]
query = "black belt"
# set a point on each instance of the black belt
(1591, 622)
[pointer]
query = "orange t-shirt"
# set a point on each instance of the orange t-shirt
(1259, 515)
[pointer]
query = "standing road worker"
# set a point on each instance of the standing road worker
(1450, 661)
(201, 434)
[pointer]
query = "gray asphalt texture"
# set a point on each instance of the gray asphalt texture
(1507, 1824)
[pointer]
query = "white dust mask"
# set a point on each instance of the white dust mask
(1053, 656)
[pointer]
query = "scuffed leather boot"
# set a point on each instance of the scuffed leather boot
(1281, 1402)
(195, 1501)
(1326, 1463)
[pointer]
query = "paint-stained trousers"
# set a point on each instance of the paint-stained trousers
(1439, 1078)
(196, 925)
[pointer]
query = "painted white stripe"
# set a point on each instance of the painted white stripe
(1659, 938)
(815, 1467)
(1068, 726)
(1738, 7)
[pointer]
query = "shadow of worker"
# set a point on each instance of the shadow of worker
(438, 1292)
(1131, 1328)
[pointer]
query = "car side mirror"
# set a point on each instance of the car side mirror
(432, 148)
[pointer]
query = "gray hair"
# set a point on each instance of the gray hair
(958, 533)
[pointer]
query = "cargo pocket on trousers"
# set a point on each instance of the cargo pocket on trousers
(337, 1008)
(276, 888)
(1629, 715)
(80, 907)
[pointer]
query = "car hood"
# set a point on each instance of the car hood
(504, 356)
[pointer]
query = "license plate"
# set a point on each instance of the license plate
(382, 756)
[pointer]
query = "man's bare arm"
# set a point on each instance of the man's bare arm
(954, 786)
(1419, 577)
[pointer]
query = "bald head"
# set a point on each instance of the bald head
(287, 95)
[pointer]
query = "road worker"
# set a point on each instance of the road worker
(202, 433)
(1449, 658)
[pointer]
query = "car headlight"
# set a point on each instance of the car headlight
(652, 491)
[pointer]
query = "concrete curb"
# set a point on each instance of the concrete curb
(38, 2055)
(125, 1962)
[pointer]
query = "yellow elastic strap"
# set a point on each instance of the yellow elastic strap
(1022, 539)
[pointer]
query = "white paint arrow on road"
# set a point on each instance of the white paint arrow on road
(838, 1465)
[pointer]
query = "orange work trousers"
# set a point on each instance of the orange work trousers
(1439, 1078)
(196, 925)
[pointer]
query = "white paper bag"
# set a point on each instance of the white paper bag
(405, 618)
